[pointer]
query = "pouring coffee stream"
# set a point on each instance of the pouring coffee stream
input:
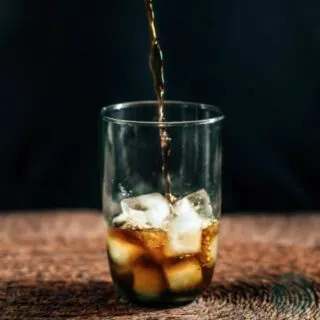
(157, 70)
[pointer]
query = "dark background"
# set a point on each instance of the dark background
(61, 61)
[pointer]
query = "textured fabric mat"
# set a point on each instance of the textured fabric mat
(53, 266)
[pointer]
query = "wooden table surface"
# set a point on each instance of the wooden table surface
(53, 266)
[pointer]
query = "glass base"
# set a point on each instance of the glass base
(162, 301)
(157, 304)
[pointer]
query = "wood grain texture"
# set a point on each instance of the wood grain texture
(53, 266)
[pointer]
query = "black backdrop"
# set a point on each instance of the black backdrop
(62, 60)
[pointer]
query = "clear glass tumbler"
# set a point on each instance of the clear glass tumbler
(161, 251)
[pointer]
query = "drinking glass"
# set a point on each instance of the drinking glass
(161, 251)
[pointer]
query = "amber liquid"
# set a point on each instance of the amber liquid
(151, 272)
(156, 67)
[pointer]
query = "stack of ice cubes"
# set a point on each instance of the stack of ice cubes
(167, 231)
(183, 221)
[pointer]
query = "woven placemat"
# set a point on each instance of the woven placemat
(53, 266)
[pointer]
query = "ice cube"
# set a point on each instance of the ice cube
(209, 253)
(184, 275)
(209, 247)
(198, 201)
(122, 252)
(150, 210)
(148, 280)
(214, 249)
(154, 242)
(130, 218)
(120, 219)
(184, 231)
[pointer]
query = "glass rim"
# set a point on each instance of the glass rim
(124, 105)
